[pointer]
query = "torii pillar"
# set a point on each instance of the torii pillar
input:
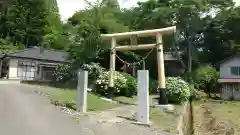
(161, 71)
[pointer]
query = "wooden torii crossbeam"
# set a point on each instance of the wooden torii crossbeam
(158, 33)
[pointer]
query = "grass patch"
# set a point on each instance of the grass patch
(164, 121)
(126, 100)
(216, 117)
(67, 97)
(133, 100)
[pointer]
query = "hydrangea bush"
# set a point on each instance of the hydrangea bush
(178, 90)
(102, 82)
(125, 84)
(94, 70)
(62, 72)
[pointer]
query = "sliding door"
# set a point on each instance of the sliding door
(27, 70)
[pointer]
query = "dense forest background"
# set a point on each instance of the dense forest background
(207, 30)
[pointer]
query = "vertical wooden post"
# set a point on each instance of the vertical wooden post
(41, 72)
(134, 70)
(133, 40)
(112, 62)
(160, 62)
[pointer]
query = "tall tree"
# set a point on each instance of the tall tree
(26, 20)
(54, 37)
(190, 17)
(102, 15)
(221, 36)
(4, 6)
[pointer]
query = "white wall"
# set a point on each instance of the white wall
(225, 71)
(12, 74)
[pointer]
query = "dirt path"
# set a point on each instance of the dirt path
(25, 113)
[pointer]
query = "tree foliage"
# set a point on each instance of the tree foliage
(7, 47)
(31, 23)
(26, 20)
(205, 77)
(207, 30)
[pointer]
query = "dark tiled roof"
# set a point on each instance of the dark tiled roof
(41, 54)
(228, 58)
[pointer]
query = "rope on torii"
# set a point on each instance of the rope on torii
(138, 62)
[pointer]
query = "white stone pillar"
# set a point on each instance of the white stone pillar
(143, 96)
(82, 91)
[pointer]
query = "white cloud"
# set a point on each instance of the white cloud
(68, 7)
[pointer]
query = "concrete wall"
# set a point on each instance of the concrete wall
(225, 71)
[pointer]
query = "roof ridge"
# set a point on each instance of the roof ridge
(34, 47)
(55, 50)
(228, 58)
(40, 53)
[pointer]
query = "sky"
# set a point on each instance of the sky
(68, 7)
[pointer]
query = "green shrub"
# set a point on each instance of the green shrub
(178, 90)
(194, 92)
(199, 95)
(153, 85)
(187, 76)
(66, 74)
(6, 46)
(125, 84)
(205, 77)
(131, 86)
(102, 82)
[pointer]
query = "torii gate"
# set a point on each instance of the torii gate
(158, 33)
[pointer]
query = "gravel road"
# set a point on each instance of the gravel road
(26, 113)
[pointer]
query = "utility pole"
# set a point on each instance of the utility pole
(189, 56)
(189, 50)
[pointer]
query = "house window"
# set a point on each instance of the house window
(235, 71)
